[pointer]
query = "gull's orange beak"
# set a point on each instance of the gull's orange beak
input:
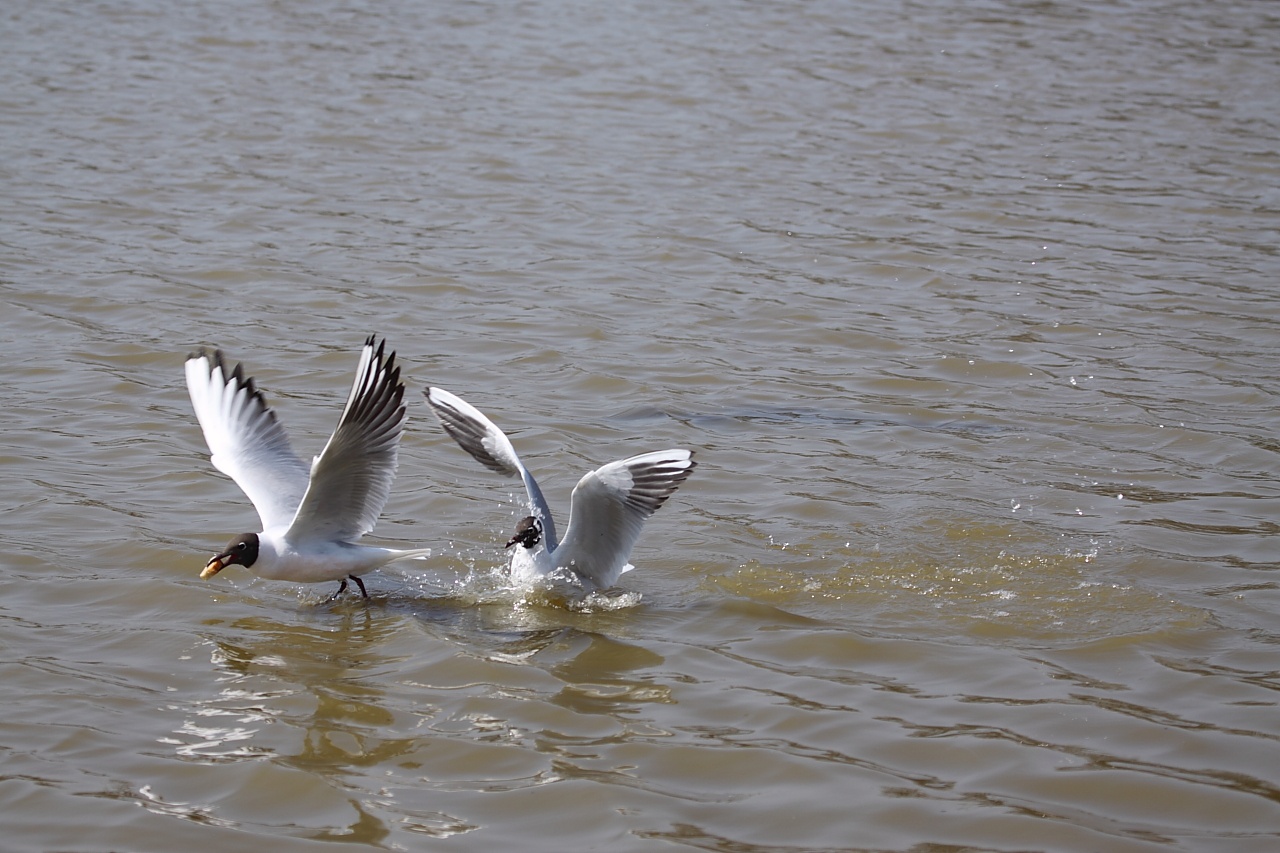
(214, 566)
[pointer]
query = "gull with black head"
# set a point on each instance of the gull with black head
(312, 516)
(608, 508)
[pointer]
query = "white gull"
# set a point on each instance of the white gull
(609, 505)
(311, 515)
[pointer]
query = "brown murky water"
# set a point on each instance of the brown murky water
(970, 312)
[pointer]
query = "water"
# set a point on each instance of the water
(968, 310)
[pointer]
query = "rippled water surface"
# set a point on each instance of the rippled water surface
(969, 310)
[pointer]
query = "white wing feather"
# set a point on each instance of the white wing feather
(351, 478)
(245, 440)
(610, 506)
(490, 446)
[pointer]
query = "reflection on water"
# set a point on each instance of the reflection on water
(360, 721)
(307, 697)
(299, 696)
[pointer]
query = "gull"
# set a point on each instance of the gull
(311, 515)
(609, 505)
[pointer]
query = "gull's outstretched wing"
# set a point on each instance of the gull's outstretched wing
(610, 506)
(351, 478)
(245, 440)
(490, 446)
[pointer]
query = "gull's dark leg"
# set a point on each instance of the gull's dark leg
(360, 584)
(342, 587)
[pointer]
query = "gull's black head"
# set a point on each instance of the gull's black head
(528, 533)
(242, 550)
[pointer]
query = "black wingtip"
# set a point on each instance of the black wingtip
(213, 354)
(382, 357)
(380, 346)
(218, 365)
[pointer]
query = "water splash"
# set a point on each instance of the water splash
(982, 586)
